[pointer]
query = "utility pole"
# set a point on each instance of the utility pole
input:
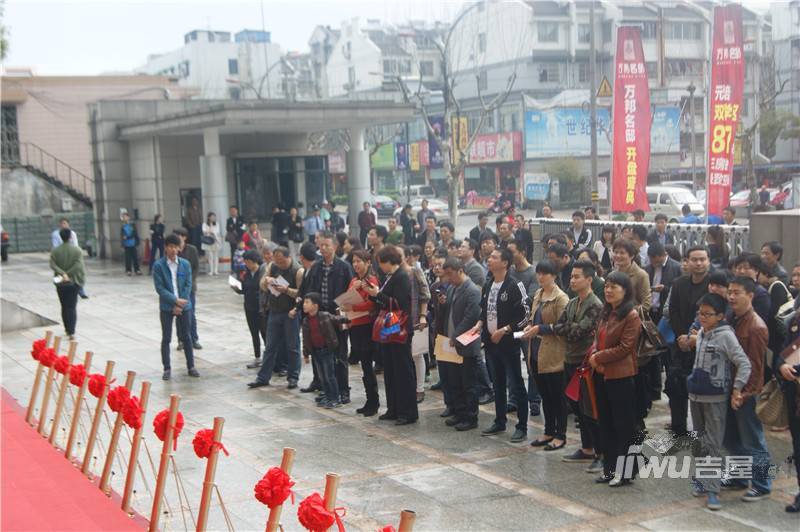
(593, 111)
(691, 88)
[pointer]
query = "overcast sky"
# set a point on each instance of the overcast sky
(91, 37)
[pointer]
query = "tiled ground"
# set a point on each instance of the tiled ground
(454, 481)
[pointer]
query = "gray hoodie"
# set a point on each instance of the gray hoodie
(710, 381)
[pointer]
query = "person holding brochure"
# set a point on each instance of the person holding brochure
(461, 308)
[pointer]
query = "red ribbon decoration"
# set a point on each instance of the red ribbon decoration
(388, 528)
(61, 364)
(160, 426)
(47, 357)
(77, 374)
(204, 443)
(97, 382)
(37, 348)
(117, 398)
(313, 515)
(132, 413)
(274, 488)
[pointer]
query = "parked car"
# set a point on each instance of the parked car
(670, 200)
(439, 208)
(420, 191)
(384, 204)
(783, 199)
(742, 198)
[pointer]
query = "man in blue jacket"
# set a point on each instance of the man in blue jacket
(172, 277)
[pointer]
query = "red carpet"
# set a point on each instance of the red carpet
(41, 490)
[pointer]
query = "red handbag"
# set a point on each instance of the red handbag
(391, 326)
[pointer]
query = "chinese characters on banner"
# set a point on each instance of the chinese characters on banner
(727, 82)
(413, 151)
(631, 150)
(459, 132)
(435, 152)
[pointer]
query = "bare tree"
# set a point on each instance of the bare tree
(452, 107)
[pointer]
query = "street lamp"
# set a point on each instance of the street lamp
(691, 88)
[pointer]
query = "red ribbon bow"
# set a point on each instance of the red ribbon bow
(47, 357)
(313, 515)
(132, 413)
(77, 374)
(274, 488)
(97, 383)
(37, 348)
(204, 443)
(117, 398)
(388, 528)
(61, 364)
(160, 426)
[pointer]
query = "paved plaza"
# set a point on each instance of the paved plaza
(452, 480)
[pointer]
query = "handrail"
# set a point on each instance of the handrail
(37, 157)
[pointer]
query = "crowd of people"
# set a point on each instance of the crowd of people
(603, 324)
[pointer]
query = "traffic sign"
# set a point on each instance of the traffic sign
(605, 89)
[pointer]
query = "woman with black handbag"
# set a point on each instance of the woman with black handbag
(394, 337)
(614, 362)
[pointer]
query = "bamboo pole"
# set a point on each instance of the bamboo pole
(166, 452)
(37, 381)
(98, 416)
(275, 513)
(135, 445)
(112, 444)
(331, 488)
(76, 413)
(407, 518)
(46, 396)
(211, 471)
(73, 346)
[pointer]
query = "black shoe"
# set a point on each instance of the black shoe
(519, 436)
(282, 373)
(167, 375)
(436, 386)
(510, 407)
(466, 425)
(371, 411)
(197, 346)
(367, 406)
(535, 409)
(447, 412)
(494, 429)
(486, 399)
(193, 373)
(603, 479)
(345, 400)
(452, 421)
(257, 384)
(403, 421)
(387, 417)
(540, 443)
(577, 456)
(254, 364)
(320, 398)
(795, 506)
(311, 388)
(292, 385)
(180, 346)
(83, 296)
(728, 484)
(353, 360)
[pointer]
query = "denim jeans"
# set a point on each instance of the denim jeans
(324, 359)
(192, 321)
(283, 333)
(504, 361)
(183, 336)
(744, 436)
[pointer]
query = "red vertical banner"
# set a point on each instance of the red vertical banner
(631, 151)
(725, 97)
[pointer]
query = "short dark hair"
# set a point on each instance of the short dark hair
(775, 247)
(252, 255)
(640, 231)
(686, 209)
(326, 235)
(234, 207)
(415, 250)
(656, 249)
(586, 267)
(673, 252)
(698, 247)
(730, 209)
(389, 254)
(569, 236)
(638, 212)
(519, 244)
(453, 263)
(308, 251)
(714, 301)
(488, 235)
(448, 225)
(559, 250)
(625, 244)
(500, 219)
(471, 243)
(505, 256)
(747, 257)
(747, 283)
(579, 214)
(65, 234)
(283, 250)
(718, 277)
(482, 215)
(558, 237)
(440, 252)
(172, 240)
(430, 218)
(314, 297)
(181, 231)
(381, 232)
(546, 267)
(661, 216)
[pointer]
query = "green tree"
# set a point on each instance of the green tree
(567, 171)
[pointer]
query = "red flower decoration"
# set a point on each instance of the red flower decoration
(203, 443)
(274, 488)
(97, 382)
(37, 347)
(77, 374)
(61, 364)
(118, 397)
(47, 357)
(132, 412)
(313, 515)
(160, 426)
(388, 528)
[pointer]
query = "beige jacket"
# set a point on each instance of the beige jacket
(641, 285)
(552, 348)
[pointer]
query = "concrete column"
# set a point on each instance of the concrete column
(357, 176)
(214, 183)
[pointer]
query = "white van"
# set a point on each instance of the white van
(670, 200)
(420, 191)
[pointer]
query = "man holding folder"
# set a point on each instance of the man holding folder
(462, 311)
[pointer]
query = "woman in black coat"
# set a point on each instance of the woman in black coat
(399, 373)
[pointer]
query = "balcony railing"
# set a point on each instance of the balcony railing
(31, 155)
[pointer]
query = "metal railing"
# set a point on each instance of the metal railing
(29, 154)
(737, 237)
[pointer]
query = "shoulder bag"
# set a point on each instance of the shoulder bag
(390, 327)
(771, 407)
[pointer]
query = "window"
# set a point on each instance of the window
(607, 26)
(584, 33)
(652, 198)
(235, 93)
(548, 31)
(652, 69)
(351, 77)
(211, 37)
(684, 31)
(183, 69)
(514, 122)
(649, 30)
(405, 66)
(389, 66)
(10, 134)
(482, 42)
(426, 68)
(684, 68)
(583, 72)
(233, 66)
(548, 73)
(483, 81)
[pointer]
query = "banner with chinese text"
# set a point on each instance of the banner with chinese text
(725, 97)
(435, 152)
(631, 125)
(413, 152)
